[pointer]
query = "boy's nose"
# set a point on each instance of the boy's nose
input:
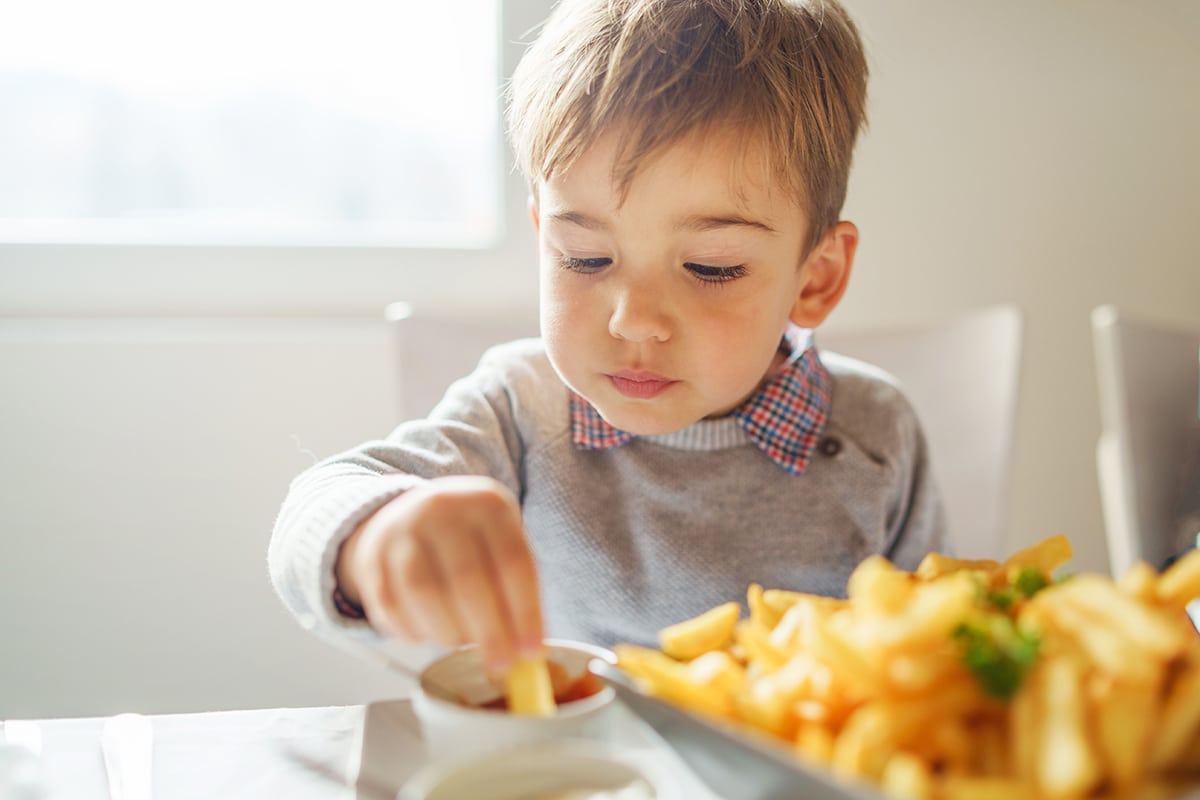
(638, 315)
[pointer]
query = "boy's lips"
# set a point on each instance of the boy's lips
(639, 383)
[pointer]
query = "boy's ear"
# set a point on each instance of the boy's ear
(533, 214)
(825, 275)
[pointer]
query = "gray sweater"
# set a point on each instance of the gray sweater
(637, 537)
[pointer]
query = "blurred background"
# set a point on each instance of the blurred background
(196, 251)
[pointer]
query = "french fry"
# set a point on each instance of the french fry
(936, 728)
(814, 742)
(906, 777)
(798, 626)
(1139, 582)
(782, 599)
(1045, 556)
(528, 688)
(760, 611)
(1179, 724)
(668, 679)
(1104, 646)
(1158, 788)
(1147, 629)
(717, 669)
(935, 565)
(963, 787)
(803, 677)
(862, 747)
(921, 672)
(766, 706)
(896, 725)
(755, 641)
(1065, 766)
(1024, 732)
(877, 587)
(711, 630)
(1180, 584)
(935, 609)
(950, 744)
(846, 662)
(1188, 763)
(991, 758)
(1122, 719)
(794, 627)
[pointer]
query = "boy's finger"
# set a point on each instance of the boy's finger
(420, 590)
(378, 554)
(469, 574)
(384, 610)
(517, 573)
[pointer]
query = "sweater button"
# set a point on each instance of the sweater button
(830, 446)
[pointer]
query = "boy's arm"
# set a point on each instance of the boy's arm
(474, 431)
(323, 506)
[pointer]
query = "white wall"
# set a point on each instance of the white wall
(144, 462)
(1043, 153)
(1040, 152)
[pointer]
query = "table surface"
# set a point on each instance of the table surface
(326, 753)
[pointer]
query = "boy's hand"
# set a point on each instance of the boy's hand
(448, 562)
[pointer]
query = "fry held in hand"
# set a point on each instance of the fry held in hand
(963, 679)
(528, 688)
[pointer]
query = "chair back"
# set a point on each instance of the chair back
(962, 377)
(1148, 453)
(433, 351)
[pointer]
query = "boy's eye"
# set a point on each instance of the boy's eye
(709, 274)
(584, 265)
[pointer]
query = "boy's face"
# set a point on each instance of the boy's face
(667, 305)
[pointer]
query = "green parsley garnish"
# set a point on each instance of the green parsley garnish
(1030, 581)
(1002, 599)
(997, 653)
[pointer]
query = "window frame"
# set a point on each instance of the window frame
(71, 279)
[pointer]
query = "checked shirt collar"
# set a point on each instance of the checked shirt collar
(784, 418)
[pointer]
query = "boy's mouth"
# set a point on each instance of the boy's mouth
(639, 384)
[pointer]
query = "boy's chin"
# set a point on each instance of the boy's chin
(644, 422)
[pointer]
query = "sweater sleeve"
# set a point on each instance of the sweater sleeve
(472, 431)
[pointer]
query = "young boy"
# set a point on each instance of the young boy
(673, 436)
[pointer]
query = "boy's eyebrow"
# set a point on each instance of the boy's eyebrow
(706, 222)
(582, 220)
(696, 222)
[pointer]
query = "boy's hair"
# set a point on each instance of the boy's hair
(789, 74)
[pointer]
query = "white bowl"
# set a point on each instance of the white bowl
(545, 770)
(448, 697)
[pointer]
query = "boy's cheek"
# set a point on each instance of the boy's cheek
(564, 315)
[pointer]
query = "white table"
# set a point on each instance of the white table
(293, 753)
(330, 753)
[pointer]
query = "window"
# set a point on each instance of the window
(276, 122)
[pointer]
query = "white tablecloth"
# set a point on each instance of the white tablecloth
(332, 753)
(303, 753)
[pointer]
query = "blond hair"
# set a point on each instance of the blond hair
(789, 73)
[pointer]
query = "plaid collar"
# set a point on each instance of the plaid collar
(784, 418)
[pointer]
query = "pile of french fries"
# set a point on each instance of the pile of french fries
(964, 679)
